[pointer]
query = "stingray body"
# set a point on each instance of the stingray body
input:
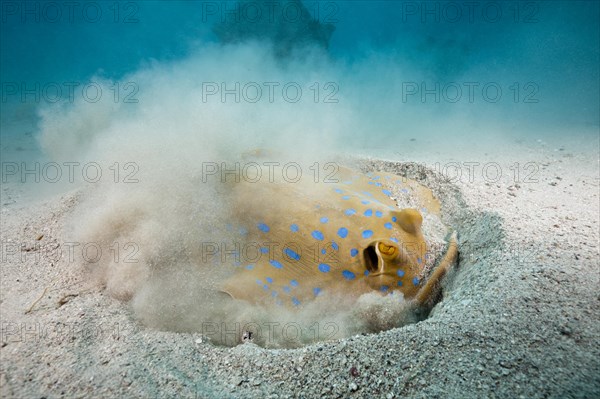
(342, 235)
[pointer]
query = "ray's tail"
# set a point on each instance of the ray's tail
(429, 293)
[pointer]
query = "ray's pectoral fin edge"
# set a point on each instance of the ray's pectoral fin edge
(429, 293)
(225, 294)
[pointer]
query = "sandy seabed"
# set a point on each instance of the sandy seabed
(520, 317)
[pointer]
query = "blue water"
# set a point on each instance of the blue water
(543, 55)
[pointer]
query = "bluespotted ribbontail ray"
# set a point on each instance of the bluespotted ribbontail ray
(343, 236)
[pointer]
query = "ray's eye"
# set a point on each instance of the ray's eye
(385, 249)
(371, 259)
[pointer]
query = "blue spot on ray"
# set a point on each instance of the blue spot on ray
(292, 254)
(338, 190)
(348, 275)
(264, 250)
(324, 220)
(316, 291)
(293, 283)
(249, 267)
(367, 233)
(364, 202)
(379, 214)
(286, 289)
(343, 232)
(388, 226)
(294, 227)
(399, 283)
(394, 219)
(346, 197)
(353, 252)
(368, 213)
(415, 281)
(400, 273)
(334, 245)
(276, 264)
(269, 280)
(317, 235)
(384, 288)
(323, 267)
(394, 239)
(263, 227)
(350, 212)
(295, 301)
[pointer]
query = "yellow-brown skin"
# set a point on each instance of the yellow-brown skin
(379, 239)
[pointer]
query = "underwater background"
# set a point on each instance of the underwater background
(542, 56)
